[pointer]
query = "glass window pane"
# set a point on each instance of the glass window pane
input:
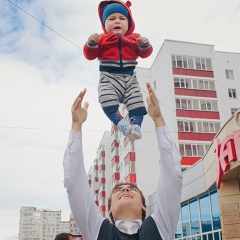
(176, 82)
(206, 146)
(204, 237)
(180, 126)
(217, 236)
(190, 63)
(179, 61)
(205, 127)
(186, 127)
(205, 214)
(210, 236)
(194, 150)
(195, 105)
(195, 84)
(215, 211)
(197, 63)
(182, 83)
(234, 93)
(206, 85)
(189, 104)
(203, 105)
(229, 74)
(178, 103)
(192, 126)
(217, 127)
(199, 125)
(209, 64)
(194, 216)
(181, 149)
(184, 103)
(185, 62)
(173, 61)
(209, 106)
(200, 150)
(203, 64)
(185, 221)
(229, 93)
(188, 150)
(211, 127)
(188, 83)
(200, 84)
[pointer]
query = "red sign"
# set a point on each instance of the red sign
(226, 152)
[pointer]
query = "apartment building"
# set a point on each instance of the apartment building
(198, 90)
(40, 224)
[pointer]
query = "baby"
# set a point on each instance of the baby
(117, 49)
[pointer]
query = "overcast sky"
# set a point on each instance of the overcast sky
(43, 69)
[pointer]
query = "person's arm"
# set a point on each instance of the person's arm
(145, 47)
(90, 49)
(83, 207)
(170, 181)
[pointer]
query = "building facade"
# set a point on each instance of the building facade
(198, 90)
(40, 224)
(210, 192)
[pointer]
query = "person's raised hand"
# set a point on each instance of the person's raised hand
(154, 107)
(94, 38)
(142, 41)
(79, 112)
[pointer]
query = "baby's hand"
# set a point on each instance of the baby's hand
(93, 38)
(142, 41)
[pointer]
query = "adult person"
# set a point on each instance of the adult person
(126, 203)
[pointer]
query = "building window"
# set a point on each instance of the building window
(190, 83)
(205, 213)
(194, 104)
(185, 221)
(196, 150)
(229, 74)
(232, 93)
(199, 217)
(194, 216)
(188, 62)
(233, 110)
(196, 126)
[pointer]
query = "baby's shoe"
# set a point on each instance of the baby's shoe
(135, 133)
(125, 127)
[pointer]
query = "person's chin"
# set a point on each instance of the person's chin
(117, 31)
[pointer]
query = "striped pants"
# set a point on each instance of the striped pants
(121, 88)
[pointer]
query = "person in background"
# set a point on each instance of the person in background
(127, 208)
(117, 49)
(64, 236)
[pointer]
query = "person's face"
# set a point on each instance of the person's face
(116, 23)
(126, 199)
(70, 238)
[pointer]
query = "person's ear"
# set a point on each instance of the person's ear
(143, 208)
(110, 212)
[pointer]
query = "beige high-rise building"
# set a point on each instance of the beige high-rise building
(40, 224)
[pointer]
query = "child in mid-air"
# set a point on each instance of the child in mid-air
(117, 50)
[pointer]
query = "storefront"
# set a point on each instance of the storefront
(210, 193)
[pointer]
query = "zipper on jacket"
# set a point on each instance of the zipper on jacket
(120, 49)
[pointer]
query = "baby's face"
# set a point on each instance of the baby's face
(116, 23)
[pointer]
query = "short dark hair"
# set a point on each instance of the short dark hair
(63, 236)
(130, 184)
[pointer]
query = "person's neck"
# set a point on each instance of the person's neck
(127, 216)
